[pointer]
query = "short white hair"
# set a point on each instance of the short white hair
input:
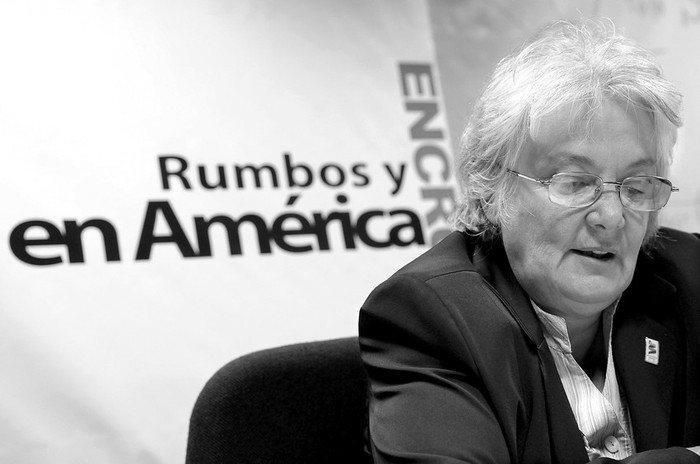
(580, 63)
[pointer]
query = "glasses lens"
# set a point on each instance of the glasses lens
(645, 193)
(574, 189)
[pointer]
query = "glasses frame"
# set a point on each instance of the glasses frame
(599, 192)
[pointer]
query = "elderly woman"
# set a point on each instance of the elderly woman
(559, 324)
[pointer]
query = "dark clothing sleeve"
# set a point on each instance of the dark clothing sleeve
(424, 406)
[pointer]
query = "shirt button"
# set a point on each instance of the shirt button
(612, 444)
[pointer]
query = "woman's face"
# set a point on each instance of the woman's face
(574, 262)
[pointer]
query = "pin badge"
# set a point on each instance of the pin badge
(651, 353)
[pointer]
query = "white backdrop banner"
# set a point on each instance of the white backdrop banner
(186, 182)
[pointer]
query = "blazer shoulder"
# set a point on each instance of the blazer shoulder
(676, 249)
(451, 255)
(675, 258)
(671, 239)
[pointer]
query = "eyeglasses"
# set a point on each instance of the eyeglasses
(578, 190)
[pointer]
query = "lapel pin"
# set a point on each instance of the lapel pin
(651, 352)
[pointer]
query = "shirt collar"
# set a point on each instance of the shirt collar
(556, 333)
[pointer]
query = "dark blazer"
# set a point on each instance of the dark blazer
(460, 371)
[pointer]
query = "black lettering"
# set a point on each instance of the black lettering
(233, 233)
(74, 239)
(363, 233)
(280, 232)
(292, 168)
(339, 176)
(165, 173)
(256, 175)
(221, 178)
(321, 225)
(359, 171)
(19, 242)
(413, 225)
(148, 237)
(396, 177)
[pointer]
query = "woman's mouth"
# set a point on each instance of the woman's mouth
(596, 254)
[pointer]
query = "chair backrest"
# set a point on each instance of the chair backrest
(303, 403)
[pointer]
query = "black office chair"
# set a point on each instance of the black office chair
(303, 403)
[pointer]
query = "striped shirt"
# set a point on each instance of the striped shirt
(602, 416)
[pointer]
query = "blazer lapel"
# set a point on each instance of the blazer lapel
(566, 443)
(563, 428)
(492, 263)
(645, 328)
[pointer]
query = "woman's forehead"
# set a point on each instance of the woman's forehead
(612, 135)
